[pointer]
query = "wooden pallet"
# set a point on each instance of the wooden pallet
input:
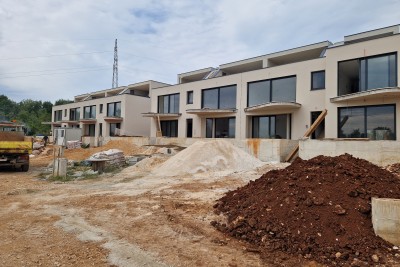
(310, 130)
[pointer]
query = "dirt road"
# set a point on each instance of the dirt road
(125, 219)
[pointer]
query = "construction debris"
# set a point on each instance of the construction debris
(318, 208)
(211, 156)
(114, 157)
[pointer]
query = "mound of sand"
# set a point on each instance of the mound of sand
(211, 156)
(146, 164)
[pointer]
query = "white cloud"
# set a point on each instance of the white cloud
(159, 39)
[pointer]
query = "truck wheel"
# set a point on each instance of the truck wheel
(25, 167)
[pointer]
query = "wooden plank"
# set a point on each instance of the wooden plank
(312, 128)
(159, 132)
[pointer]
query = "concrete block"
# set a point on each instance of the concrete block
(386, 219)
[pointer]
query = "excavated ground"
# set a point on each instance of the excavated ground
(318, 208)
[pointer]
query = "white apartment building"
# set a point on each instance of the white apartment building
(110, 112)
(279, 95)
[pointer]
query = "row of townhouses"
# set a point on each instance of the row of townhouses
(273, 96)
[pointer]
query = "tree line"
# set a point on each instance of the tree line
(29, 112)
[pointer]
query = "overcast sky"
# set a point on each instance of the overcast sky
(51, 49)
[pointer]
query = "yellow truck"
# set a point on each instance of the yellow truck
(15, 147)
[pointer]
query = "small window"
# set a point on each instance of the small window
(101, 108)
(318, 80)
(189, 97)
(65, 113)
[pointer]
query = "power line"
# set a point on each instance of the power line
(55, 73)
(2, 74)
(155, 59)
(59, 55)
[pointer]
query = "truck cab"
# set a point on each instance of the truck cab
(15, 147)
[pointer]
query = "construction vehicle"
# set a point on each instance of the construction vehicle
(15, 147)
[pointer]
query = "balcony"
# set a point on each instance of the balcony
(88, 120)
(161, 115)
(380, 93)
(274, 107)
(211, 111)
(113, 119)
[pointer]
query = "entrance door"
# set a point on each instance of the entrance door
(189, 128)
(319, 133)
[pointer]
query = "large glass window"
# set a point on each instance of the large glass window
(318, 80)
(58, 115)
(219, 98)
(275, 90)
(274, 126)
(169, 128)
(220, 127)
(74, 114)
(189, 99)
(89, 112)
(114, 109)
(364, 74)
(115, 129)
(373, 122)
(90, 129)
(168, 103)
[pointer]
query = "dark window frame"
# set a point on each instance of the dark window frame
(73, 110)
(88, 130)
(114, 108)
(270, 86)
(365, 118)
(219, 95)
(90, 112)
(312, 80)
(58, 115)
(289, 121)
(100, 108)
(214, 126)
(172, 123)
(117, 125)
(189, 100)
(169, 103)
(366, 69)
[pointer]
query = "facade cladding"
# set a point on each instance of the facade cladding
(274, 96)
(111, 112)
(280, 95)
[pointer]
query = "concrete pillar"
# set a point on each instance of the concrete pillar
(60, 167)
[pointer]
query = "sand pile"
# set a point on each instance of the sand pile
(319, 208)
(147, 164)
(211, 156)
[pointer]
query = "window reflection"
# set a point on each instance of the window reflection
(373, 122)
(219, 98)
(275, 90)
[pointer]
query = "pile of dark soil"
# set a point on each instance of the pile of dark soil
(318, 208)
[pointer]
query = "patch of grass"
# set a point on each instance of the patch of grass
(61, 178)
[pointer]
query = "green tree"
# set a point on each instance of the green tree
(8, 108)
(62, 102)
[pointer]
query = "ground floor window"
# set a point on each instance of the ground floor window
(373, 122)
(90, 129)
(169, 128)
(272, 126)
(115, 129)
(220, 127)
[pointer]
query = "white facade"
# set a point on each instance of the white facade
(111, 112)
(360, 92)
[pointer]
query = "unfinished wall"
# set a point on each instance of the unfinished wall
(381, 153)
(267, 150)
